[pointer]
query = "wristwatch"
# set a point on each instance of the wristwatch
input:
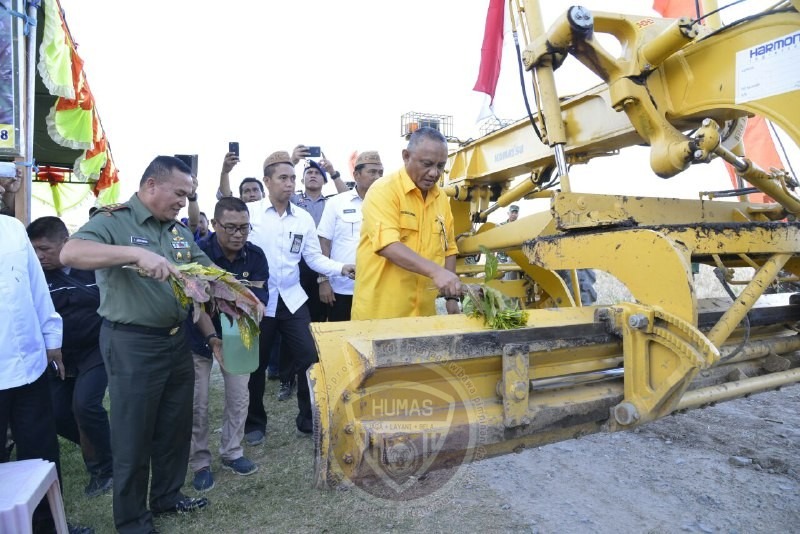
(192, 198)
(335, 175)
(322, 279)
(212, 335)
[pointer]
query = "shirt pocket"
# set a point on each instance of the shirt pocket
(181, 256)
(180, 250)
(13, 287)
(438, 243)
(351, 222)
(351, 217)
(409, 231)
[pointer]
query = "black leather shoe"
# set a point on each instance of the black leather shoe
(184, 506)
(304, 426)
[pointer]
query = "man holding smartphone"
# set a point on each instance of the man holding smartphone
(250, 189)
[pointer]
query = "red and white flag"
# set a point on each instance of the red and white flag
(492, 50)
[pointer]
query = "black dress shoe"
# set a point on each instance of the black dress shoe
(78, 529)
(184, 506)
(304, 426)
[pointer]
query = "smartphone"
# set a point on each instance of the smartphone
(233, 146)
(190, 160)
(314, 152)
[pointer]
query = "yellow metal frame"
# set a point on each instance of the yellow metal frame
(579, 369)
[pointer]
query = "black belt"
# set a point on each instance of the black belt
(147, 330)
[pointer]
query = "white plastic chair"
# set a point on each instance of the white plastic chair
(23, 484)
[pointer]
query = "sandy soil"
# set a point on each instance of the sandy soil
(731, 468)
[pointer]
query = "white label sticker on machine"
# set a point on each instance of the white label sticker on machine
(768, 69)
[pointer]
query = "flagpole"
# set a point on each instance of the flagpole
(714, 20)
(30, 99)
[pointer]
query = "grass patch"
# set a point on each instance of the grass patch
(280, 496)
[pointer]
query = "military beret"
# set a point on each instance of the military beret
(311, 163)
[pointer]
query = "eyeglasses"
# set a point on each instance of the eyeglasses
(231, 229)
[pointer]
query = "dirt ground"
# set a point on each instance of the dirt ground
(731, 468)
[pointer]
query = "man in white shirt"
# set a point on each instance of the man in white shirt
(340, 231)
(286, 234)
(30, 334)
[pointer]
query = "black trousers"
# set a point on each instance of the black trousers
(317, 309)
(286, 368)
(296, 338)
(81, 418)
(340, 311)
(151, 385)
(28, 412)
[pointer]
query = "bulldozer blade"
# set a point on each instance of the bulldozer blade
(398, 400)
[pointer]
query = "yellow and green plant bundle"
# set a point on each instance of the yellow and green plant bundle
(217, 291)
(499, 312)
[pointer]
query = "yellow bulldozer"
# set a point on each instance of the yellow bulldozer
(396, 400)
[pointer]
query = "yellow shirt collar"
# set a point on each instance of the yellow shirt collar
(409, 185)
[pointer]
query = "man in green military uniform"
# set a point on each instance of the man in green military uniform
(144, 347)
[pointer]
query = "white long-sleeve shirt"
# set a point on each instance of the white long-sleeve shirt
(285, 239)
(29, 324)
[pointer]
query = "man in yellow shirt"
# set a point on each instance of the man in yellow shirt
(407, 252)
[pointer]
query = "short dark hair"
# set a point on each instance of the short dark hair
(269, 170)
(162, 166)
(425, 132)
(229, 204)
(203, 214)
(248, 180)
(51, 228)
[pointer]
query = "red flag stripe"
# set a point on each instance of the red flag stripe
(492, 49)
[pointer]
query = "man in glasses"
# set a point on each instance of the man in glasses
(229, 249)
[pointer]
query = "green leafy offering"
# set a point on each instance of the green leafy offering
(215, 290)
(498, 311)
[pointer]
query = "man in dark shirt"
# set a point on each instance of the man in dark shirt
(78, 399)
(229, 249)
